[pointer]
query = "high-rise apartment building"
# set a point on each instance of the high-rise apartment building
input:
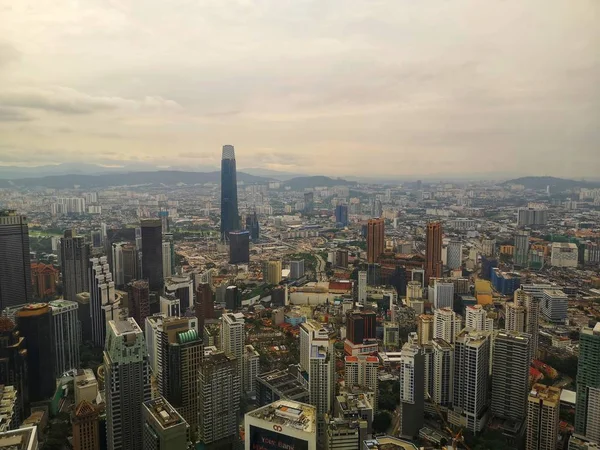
(233, 339)
(86, 427)
(139, 301)
(126, 384)
(521, 253)
(321, 380)
(251, 369)
(532, 216)
(425, 326)
(362, 371)
(523, 315)
(375, 239)
(362, 287)
(514, 316)
(433, 251)
(454, 255)
(412, 389)
(543, 410)
(15, 263)
(441, 293)
(166, 259)
(152, 262)
(554, 305)
(510, 374)
(103, 301)
(443, 372)
(273, 275)
(205, 305)
(124, 263)
(476, 317)
(164, 428)
(229, 201)
(446, 324)
(67, 338)
(239, 247)
(471, 373)
(587, 411)
(34, 322)
(296, 269)
(219, 401)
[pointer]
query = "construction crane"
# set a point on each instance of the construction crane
(456, 437)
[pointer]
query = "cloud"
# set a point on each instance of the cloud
(8, 54)
(13, 115)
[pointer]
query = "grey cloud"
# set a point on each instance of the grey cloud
(13, 115)
(8, 54)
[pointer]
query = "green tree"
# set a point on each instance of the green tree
(382, 422)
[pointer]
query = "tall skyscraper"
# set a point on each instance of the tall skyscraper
(251, 369)
(13, 363)
(205, 305)
(233, 338)
(166, 258)
(587, 411)
(341, 215)
(441, 293)
(152, 262)
(86, 427)
(34, 321)
(103, 301)
(164, 428)
(362, 371)
(471, 373)
(67, 338)
(454, 255)
(360, 326)
(412, 389)
(239, 247)
(521, 253)
(230, 220)
(433, 251)
(523, 314)
(15, 264)
(362, 287)
(139, 301)
(510, 375)
(273, 275)
(375, 239)
(253, 227)
(543, 410)
(220, 391)
(446, 324)
(443, 372)
(425, 325)
(126, 384)
(74, 257)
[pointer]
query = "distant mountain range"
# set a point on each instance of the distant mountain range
(301, 183)
(556, 184)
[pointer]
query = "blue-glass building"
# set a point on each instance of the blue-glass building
(341, 215)
(230, 220)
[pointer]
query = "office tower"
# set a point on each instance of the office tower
(170, 306)
(205, 304)
(34, 321)
(179, 353)
(446, 324)
(412, 389)
(253, 227)
(362, 371)
(425, 326)
(233, 338)
(84, 315)
(309, 332)
(15, 264)
(126, 384)
(166, 259)
(476, 318)
(443, 372)
(163, 428)
(554, 305)
(273, 272)
(181, 287)
(433, 251)
(362, 287)
(139, 301)
(375, 239)
(86, 427)
(521, 253)
(44, 278)
(454, 255)
(471, 372)
(229, 203)
(67, 338)
(341, 215)
(239, 247)
(220, 391)
(74, 257)
(441, 293)
(251, 369)
(531, 308)
(232, 298)
(361, 326)
(587, 410)
(532, 216)
(13, 363)
(152, 262)
(283, 424)
(309, 202)
(510, 375)
(296, 269)
(543, 408)
(103, 301)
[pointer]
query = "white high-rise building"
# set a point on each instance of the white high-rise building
(523, 314)
(233, 338)
(412, 389)
(443, 372)
(251, 369)
(117, 261)
(515, 317)
(67, 336)
(446, 324)
(310, 331)
(476, 318)
(554, 305)
(166, 259)
(471, 373)
(362, 371)
(104, 305)
(362, 287)
(454, 255)
(441, 293)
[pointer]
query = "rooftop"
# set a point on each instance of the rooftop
(388, 443)
(546, 393)
(164, 414)
(284, 382)
(21, 439)
(122, 327)
(286, 413)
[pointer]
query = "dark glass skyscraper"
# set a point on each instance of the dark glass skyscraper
(229, 203)
(74, 260)
(253, 226)
(15, 264)
(239, 247)
(152, 262)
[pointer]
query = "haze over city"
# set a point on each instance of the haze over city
(393, 88)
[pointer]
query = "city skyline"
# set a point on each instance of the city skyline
(306, 86)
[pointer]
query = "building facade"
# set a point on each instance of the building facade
(67, 337)
(433, 251)
(152, 262)
(375, 239)
(543, 410)
(230, 220)
(15, 262)
(587, 411)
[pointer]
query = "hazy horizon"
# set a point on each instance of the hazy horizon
(373, 89)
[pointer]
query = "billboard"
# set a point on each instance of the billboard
(263, 439)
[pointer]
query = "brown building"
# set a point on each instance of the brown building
(361, 326)
(86, 433)
(139, 301)
(433, 252)
(43, 278)
(376, 239)
(205, 305)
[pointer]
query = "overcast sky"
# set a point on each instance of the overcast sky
(336, 87)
